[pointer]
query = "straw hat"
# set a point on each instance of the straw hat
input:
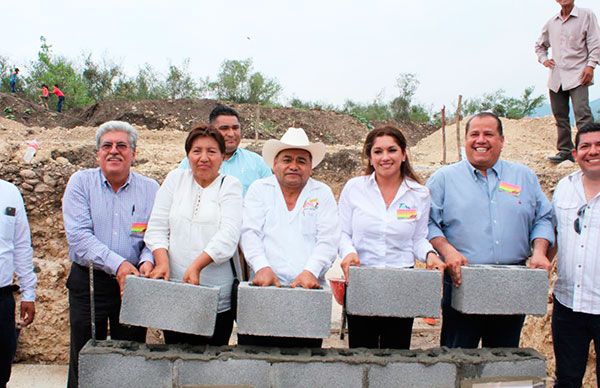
(293, 138)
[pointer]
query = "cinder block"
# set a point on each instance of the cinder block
(501, 289)
(394, 292)
(220, 372)
(169, 305)
(316, 374)
(284, 312)
(123, 370)
(413, 375)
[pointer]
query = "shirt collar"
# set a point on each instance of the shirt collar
(475, 173)
(234, 155)
(107, 184)
(574, 12)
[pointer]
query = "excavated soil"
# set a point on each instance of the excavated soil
(67, 146)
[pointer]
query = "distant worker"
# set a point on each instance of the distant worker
(485, 210)
(245, 165)
(574, 36)
(44, 96)
(106, 212)
(13, 80)
(61, 98)
(16, 256)
(576, 312)
(290, 227)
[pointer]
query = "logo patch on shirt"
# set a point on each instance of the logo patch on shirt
(404, 212)
(139, 227)
(311, 203)
(510, 189)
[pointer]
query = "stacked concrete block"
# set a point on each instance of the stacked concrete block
(501, 289)
(394, 292)
(284, 312)
(120, 363)
(169, 305)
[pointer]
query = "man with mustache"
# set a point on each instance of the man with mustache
(106, 212)
(486, 211)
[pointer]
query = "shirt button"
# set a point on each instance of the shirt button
(578, 286)
(579, 266)
(494, 221)
(497, 242)
(582, 246)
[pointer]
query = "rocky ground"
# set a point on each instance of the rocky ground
(67, 145)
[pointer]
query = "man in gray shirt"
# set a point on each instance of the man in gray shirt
(574, 36)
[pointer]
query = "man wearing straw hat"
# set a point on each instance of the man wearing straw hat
(290, 230)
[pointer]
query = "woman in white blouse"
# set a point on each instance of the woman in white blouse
(194, 228)
(384, 215)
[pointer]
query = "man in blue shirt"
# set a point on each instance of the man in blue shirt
(247, 166)
(106, 212)
(486, 211)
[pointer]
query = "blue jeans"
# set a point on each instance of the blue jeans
(13, 86)
(59, 105)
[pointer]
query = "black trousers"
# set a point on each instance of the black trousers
(466, 330)
(279, 342)
(572, 333)
(107, 301)
(8, 334)
(379, 332)
(223, 328)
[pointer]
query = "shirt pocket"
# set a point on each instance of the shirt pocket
(308, 223)
(566, 211)
(7, 228)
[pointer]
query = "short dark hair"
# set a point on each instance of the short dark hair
(203, 130)
(590, 127)
(222, 110)
(485, 114)
(388, 130)
(16, 70)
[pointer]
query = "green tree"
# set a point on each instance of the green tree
(100, 78)
(238, 82)
(504, 106)
(407, 84)
(179, 82)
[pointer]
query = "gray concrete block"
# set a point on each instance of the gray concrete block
(119, 370)
(503, 362)
(413, 375)
(394, 292)
(230, 372)
(315, 374)
(167, 305)
(501, 289)
(284, 312)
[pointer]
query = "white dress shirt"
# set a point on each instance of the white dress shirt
(187, 219)
(577, 286)
(16, 254)
(305, 238)
(381, 237)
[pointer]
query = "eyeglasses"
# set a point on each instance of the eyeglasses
(579, 219)
(108, 146)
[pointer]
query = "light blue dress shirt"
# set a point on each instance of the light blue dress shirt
(247, 166)
(99, 223)
(484, 221)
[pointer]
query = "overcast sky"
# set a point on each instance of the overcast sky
(327, 50)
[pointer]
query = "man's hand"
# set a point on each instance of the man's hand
(27, 312)
(538, 260)
(434, 262)
(351, 259)
(549, 63)
(454, 260)
(306, 280)
(146, 268)
(192, 274)
(126, 268)
(265, 277)
(587, 75)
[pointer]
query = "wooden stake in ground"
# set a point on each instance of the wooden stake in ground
(256, 121)
(458, 109)
(444, 134)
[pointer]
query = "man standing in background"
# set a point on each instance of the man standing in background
(574, 36)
